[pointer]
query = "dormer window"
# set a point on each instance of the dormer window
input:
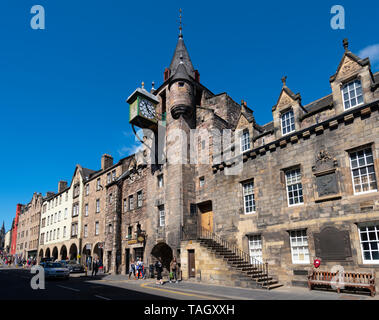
(288, 122)
(245, 141)
(352, 94)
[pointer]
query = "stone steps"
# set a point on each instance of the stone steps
(248, 272)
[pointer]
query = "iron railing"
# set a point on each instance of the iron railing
(260, 267)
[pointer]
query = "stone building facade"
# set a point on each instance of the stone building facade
(94, 208)
(28, 232)
(301, 187)
(61, 219)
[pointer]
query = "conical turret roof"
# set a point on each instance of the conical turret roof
(181, 54)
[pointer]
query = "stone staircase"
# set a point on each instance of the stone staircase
(250, 270)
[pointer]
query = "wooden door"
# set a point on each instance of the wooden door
(207, 220)
(191, 264)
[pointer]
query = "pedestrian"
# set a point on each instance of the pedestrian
(139, 268)
(95, 267)
(159, 269)
(132, 269)
(173, 269)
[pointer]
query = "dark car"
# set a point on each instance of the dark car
(72, 265)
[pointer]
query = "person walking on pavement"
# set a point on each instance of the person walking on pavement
(132, 269)
(95, 267)
(159, 269)
(173, 269)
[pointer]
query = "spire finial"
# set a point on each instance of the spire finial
(284, 80)
(143, 85)
(346, 44)
(180, 23)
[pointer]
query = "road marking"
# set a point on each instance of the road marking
(68, 288)
(100, 297)
(144, 285)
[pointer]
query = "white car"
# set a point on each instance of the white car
(56, 270)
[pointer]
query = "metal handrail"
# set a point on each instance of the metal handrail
(245, 257)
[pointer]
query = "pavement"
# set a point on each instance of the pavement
(15, 284)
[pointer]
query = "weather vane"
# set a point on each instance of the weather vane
(180, 22)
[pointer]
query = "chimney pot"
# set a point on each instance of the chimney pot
(62, 185)
(106, 161)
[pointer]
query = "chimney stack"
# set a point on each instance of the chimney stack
(62, 185)
(49, 194)
(106, 161)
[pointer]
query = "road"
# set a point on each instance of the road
(15, 284)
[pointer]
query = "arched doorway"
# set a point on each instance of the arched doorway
(47, 253)
(73, 252)
(40, 255)
(63, 253)
(55, 253)
(87, 255)
(98, 252)
(163, 253)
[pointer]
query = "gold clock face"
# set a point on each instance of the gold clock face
(147, 109)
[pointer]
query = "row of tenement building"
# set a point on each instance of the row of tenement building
(307, 188)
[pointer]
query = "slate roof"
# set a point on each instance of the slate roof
(320, 104)
(181, 54)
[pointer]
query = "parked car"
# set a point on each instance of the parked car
(73, 266)
(45, 260)
(56, 270)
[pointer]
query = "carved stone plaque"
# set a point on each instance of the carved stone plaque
(332, 244)
(327, 184)
(326, 179)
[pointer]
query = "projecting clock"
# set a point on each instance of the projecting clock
(142, 106)
(147, 109)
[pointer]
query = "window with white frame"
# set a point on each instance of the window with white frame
(299, 246)
(87, 189)
(98, 184)
(248, 197)
(74, 229)
(57, 233)
(288, 122)
(65, 213)
(85, 231)
(59, 216)
(160, 181)
(294, 187)
(131, 202)
(352, 94)
(139, 199)
(255, 248)
(66, 195)
(113, 175)
(201, 182)
(97, 205)
(86, 210)
(64, 232)
(363, 171)
(245, 141)
(75, 210)
(162, 216)
(96, 228)
(369, 238)
(109, 177)
(125, 205)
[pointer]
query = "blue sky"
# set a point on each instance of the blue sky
(63, 89)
